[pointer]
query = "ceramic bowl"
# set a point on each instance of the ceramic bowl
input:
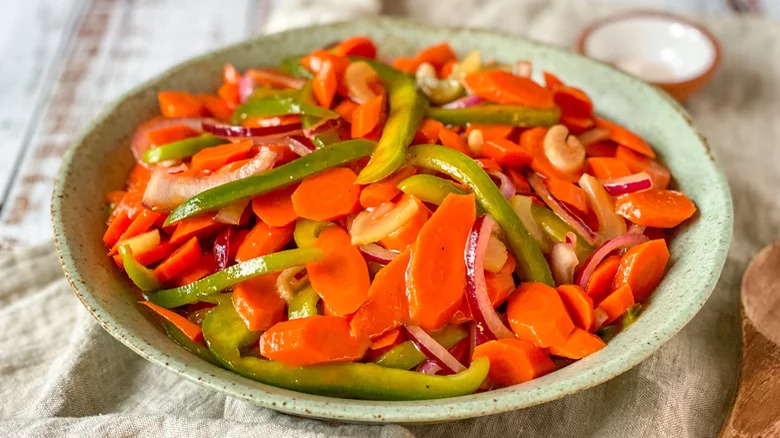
(99, 161)
(663, 49)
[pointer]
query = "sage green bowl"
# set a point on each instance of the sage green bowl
(100, 160)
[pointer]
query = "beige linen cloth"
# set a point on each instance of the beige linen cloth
(61, 374)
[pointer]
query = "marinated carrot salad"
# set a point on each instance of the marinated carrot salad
(419, 229)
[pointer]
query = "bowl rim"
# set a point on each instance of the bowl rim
(588, 31)
(366, 411)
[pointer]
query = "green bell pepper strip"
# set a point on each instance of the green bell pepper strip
(530, 260)
(556, 229)
(325, 138)
(407, 108)
(406, 355)
(307, 230)
(226, 334)
(178, 150)
(514, 115)
(141, 276)
(277, 106)
(632, 313)
(286, 174)
(264, 92)
(303, 304)
(431, 189)
(292, 66)
(186, 343)
(233, 275)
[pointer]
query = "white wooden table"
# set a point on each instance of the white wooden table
(64, 60)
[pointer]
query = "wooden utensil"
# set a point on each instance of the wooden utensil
(756, 408)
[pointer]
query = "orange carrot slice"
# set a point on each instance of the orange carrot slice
(640, 163)
(503, 87)
(617, 303)
(506, 152)
(170, 134)
(312, 340)
(217, 156)
(327, 195)
(437, 272)
(180, 104)
(387, 306)
(341, 277)
(258, 303)
(600, 283)
(366, 116)
(345, 109)
(536, 314)
(203, 267)
(490, 132)
(428, 132)
(437, 55)
(325, 83)
(199, 226)
(276, 208)
(606, 167)
(264, 239)
(499, 285)
(642, 267)
(532, 140)
(514, 361)
(518, 180)
(393, 337)
(189, 328)
(406, 235)
(181, 259)
(581, 343)
(385, 190)
(655, 208)
(568, 193)
(355, 46)
(623, 136)
(579, 305)
(453, 140)
(116, 228)
(216, 106)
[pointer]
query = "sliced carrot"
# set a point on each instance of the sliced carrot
(159, 252)
(536, 314)
(116, 228)
(573, 102)
(551, 82)
(436, 55)
(325, 84)
(428, 132)
(258, 303)
(437, 272)
(600, 283)
(284, 155)
(114, 196)
(355, 46)
(276, 208)
(216, 106)
(606, 167)
(581, 343)
(263, 240)
(141, 224)
(345, 109)
(446, 69)
(408, 65)
(518, 180)
(623, 136)
(639, 163)
(217, 156)
(181, 259)
(488, 164)
(453, 140)
(201, 226)
(229, 93)
(387, 306)
(499, 285)
(327, 195)
(189, 328)
(616, 303)
(579, 305)
(170, 134)
(405, 235)
(312, 340)
(655, 208)
(180, 104)
(503, 87)
(568, 193)
(393, 337)
(514, 361)
(366, 116)
(642, 267)
(203, 267)
(315, 62)
(532, 140)
(341, 277)
(577, 125)
(601, 149)
(490, 132)
(506, 152)
(385, 190)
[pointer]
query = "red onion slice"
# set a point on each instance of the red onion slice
(562, 210)
(628, 184)
(375, 253)
(563, 260)
(477, 337)
(140, 142)
(464, 102)
(234, 131)
(321, 127)
(626, 240)
(165, 191)
(476, 289)
(433, 349)
(222, 249)
(231, 214)
(429, 367)
(505, 184)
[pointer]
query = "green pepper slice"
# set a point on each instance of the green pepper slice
(141, 276)
(556, 229)
(303, 304)
(186, 343)
(406, 355)
(325, 138)
(233, 275)
(431, 189)
(530, 260)
(514, 115)
(226, 333)
(292, 66)
(286, 174)
(407, 108)
(277, 106)
(307, 230)
(178, 150)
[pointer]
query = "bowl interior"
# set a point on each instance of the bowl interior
(99, 161)
(657, 48)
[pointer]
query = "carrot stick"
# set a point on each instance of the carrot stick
(327, 195)
(491, 132)
(640, 163)
(216, 106)
(189, 328)
(203, 267)
(408, 65)
(393, 337)
(616, 303)
(453, 140)
(506, 153)
(229, 93)
(536, 314)
(141, 224)
(325, 83)
(514, 361)
(181, 259)
(217, 156)
(579, 305)
(642, 268)
(387, 306)
(179, 104)
(385, 190)
(428, 132)
(600, 283)
(263, 240)
(606, 167)
(200, 226)
(623, 136)
(568, 193)
(551, 82)
(355, 46)
(258, 303)
(312, 340)
(170, 134)
(503, 87)
(437, 272)
(437, 55)
(276, 208)
(580, 344)
(341, 278)
(366, 116)
(116, 228)
(655, 208)
(404, 236)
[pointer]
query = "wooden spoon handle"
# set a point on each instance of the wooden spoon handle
(756, 408)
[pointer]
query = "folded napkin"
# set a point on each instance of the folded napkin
(61, 374)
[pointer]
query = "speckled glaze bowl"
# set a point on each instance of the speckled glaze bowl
(100, 159)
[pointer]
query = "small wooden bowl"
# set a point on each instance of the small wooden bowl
(666, 50)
